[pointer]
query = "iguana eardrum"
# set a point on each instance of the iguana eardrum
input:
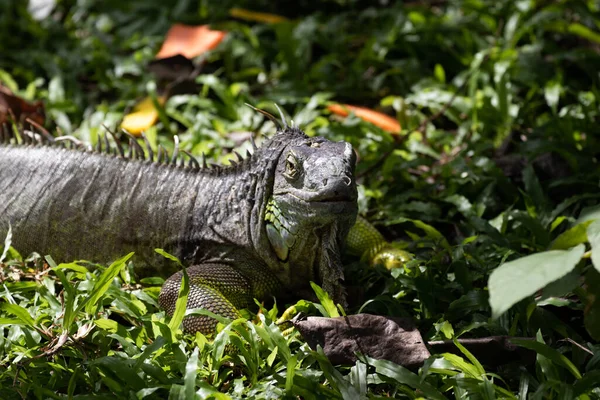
(260, 228)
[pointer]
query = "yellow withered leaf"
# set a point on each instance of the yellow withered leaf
(254, 16)
(143, 116)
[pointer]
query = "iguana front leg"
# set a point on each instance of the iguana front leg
(366, 241)
(220, 288)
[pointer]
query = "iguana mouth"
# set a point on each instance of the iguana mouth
(341, 195)
(333, 199)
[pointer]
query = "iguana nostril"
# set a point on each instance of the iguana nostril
(324, 182)
(347, 180)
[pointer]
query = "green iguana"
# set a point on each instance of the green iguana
(263, 227)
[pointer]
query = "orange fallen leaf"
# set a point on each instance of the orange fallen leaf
(381, 120)
(254, 16)
(144, 115)
(189, 41)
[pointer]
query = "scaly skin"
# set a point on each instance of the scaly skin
(263, 228)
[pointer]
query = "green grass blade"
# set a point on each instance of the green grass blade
(181, 304)
(549, 353)
(103, 282)
(406, 377)
(470, 356)
(191, 371)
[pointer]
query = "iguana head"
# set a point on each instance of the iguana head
(315, 178)
(312, 206)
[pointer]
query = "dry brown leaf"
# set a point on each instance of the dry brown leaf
(14, 108)
(386, 338)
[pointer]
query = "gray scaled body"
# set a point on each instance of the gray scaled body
(264, 227)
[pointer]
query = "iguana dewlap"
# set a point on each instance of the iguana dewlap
(261, 228)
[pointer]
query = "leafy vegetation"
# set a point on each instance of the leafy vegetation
(492, 185)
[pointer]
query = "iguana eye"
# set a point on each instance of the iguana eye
(291, 167)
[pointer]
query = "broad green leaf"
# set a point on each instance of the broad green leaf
(561, 286)
(21, 313)
(191, 371)
(593, 235)
(446, 328)
(104, 281)
(571, 237)
(271, 358)
(589, 214)
(359, 378)
(73, 267)
(107, 324)
(513, 281)
(290, 372)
